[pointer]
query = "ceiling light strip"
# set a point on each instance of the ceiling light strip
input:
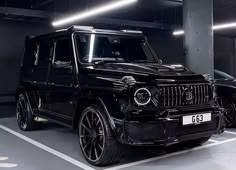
(93, 12)
(215, 27)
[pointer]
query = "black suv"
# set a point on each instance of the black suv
(111, 86)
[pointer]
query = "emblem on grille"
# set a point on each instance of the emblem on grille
(188, 95)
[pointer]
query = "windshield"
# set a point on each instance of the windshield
(94, 48)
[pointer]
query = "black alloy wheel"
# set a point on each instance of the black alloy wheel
(97, 142)
(229, 111)
(24, 114)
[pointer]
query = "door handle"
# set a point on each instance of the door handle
(76, 86)
(51, 84)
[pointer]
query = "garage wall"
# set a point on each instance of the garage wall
(170, 50)
(12, 35)
(224, 54)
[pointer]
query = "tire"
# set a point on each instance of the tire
(230, 111)
(197, 142)
(97, 141)
(24, 116)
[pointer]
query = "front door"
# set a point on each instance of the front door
(61, 80)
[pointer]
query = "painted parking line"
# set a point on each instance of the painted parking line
(6, 165)
(48, 149)
(212, 140)
(229, 132)
(3, 158)
(169, 155)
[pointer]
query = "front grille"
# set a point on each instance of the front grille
(175, 95)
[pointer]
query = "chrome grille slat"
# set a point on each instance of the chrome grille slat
(180, 96)
(199, 97)
(207, 93)
(201, 92)
(164, 94)
(172, 92)
(195, 94)
(168, 97)
(204, 94)
(176, 96)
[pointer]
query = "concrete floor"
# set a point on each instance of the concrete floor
(56, 148)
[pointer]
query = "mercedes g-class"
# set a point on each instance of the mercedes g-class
(111, 87)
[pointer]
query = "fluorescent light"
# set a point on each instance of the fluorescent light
(178, 32)
(224, 26)
(215, 27)
(93, 12)
(132, 31)
(91, 48)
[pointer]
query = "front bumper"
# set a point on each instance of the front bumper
(168, 131)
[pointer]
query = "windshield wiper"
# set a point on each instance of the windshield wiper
(143, 61)
(101, 62)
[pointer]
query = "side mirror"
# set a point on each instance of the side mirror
(160, 61)
(63, 66)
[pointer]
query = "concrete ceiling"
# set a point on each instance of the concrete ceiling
(145, 10)
(157, 11)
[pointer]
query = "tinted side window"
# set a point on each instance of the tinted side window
(62, 71)
(29, 56)
(42, 60)
(63, 51)
(44, 53)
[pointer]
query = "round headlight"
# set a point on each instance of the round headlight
(142, 96)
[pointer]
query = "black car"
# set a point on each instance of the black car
(112, 88)
(226, 89)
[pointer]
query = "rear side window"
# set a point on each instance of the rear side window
(44, 53)
(29, 56)
(63, 51)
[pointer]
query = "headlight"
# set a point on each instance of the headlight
(142, 96)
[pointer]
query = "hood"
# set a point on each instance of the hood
(154, 70)
(118, 76)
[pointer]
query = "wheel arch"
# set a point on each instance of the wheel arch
(28, 94)
(85, 102)
(19, 90)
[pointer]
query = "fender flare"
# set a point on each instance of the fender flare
(101, 103)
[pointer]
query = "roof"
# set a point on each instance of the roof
(89, 30)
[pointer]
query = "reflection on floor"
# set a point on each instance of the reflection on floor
(64, 140)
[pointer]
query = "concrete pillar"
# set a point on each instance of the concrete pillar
(198, 41)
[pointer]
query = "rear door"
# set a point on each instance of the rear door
(43, 57)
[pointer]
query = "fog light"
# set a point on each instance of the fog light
(142, 96)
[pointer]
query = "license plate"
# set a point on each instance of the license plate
(196, 119)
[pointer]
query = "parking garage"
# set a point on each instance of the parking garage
(100, 90)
